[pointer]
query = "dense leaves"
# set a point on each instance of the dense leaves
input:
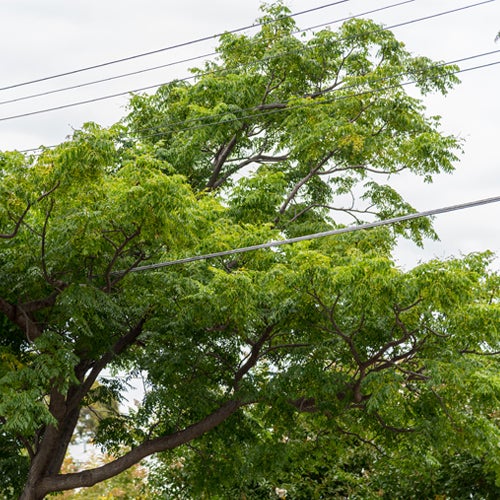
(318, 369)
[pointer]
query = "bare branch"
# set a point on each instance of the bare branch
(314, 171)
(444, 407)
(14, 232)
(363, 440)
(118, 253)
(59, 285)
(222, 156)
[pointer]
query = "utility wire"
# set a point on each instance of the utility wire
(149, 87)
(190, 59)
(421, 18)
(102, 80)
(170, 47)
(333, 232)
(285, 107)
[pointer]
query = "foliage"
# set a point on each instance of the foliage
(257, 359)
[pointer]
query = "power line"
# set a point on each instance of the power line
(103, 80)
(261, 113)
(431, 16)
(190, 59)
(333, 232)
(319, 102)
(149, 87)
(170, 47)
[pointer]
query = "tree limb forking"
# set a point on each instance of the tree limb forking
(164, 443)
(21, 318)
(21, 218)
(121, 344)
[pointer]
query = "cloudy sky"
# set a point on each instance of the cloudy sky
(41, 38)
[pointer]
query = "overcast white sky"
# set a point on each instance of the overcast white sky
(44, 37)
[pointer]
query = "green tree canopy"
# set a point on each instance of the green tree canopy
(325, 341)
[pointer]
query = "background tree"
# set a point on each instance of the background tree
(326, 337)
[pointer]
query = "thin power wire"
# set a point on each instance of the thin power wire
(149, 87)
(333, 232)
(191, 59)
(103, 80)
(314, 103)
(261, 113)
(425, 18)
(170, 47)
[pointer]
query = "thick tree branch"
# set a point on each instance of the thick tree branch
(259, 158)
(21, 318)
(90, 477)
(121, 344)
(39, 304)
(254, 356)
(221, 158)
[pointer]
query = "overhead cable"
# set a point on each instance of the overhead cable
(164, 49)
(156, 85)
(319, 102)
(425, 18)
(190, 59)
(108, 79)
(333, 232)
(253, 114)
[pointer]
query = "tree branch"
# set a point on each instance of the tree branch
(118, 252)
(222, 156)
(87, 478)
(398, 430)
(21, 218)
(254, 355)
(479, 353)
(314, 171)
(21, 318)
(120, 345)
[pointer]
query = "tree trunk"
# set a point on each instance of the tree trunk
(50, 454)
(30, 493)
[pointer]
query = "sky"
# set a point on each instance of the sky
(44, 38)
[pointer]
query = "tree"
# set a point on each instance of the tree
(131, 484)
(271, 140)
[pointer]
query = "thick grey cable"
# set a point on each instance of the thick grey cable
(333, 232)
